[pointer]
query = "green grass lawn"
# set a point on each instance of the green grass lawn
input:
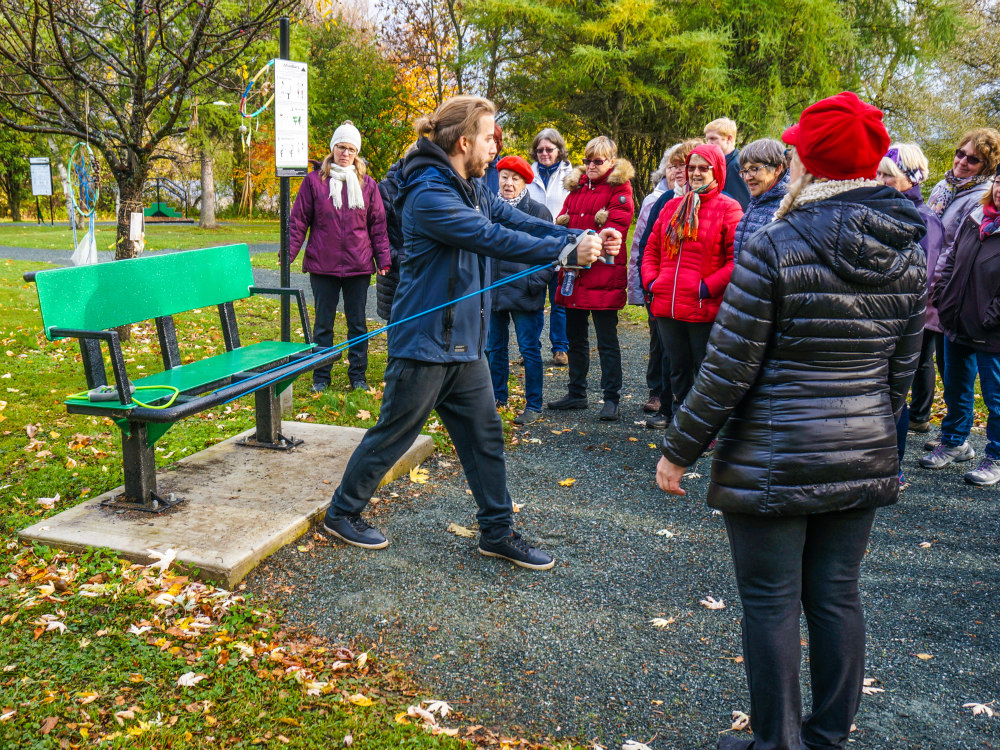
(97, 651)
(158, 236)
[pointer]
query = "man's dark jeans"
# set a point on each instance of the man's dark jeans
(326, 292)
(528, 327)
(813, 561)
(462, 394)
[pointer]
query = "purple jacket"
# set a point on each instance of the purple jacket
(344, 241)
(931, 243)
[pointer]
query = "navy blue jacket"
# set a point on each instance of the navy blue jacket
(451, 227)
(735, 188)
(526, 294)
(758, 213)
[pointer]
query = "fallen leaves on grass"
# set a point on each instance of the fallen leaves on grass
(364, 414)
(457, 530)
(48, 502)
(426, 715)
(567, 482)
(660, 622)
(977, 708)
(710, 602)
(163, 559)
(48, 725)
(190, 679)
(359, 699)
(419, 475)
(47, 623)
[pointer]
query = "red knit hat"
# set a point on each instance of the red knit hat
(840, 138)
(517, 164)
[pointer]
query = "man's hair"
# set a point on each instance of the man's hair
(456, 117)
(552, 135)
(601, 147)
(986, 143)
(723, 126)
(683, 149)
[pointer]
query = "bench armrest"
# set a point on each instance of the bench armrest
(286, 292)
(122, 384)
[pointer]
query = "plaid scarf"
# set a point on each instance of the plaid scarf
(512, 202)
(683, 224)
(990, 223)
(950, 188)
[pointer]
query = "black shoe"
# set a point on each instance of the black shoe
(319, 387)
(355, 530)
(657, 422)
(609, 412)
(518, 551)
(528, 416)
(359, 385)
(569, 402)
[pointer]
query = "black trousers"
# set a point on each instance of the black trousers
(608, 348)
(326, 292)
(654, 367)
(462, 394)
(783, 563)
(684, 345)
(922, 390)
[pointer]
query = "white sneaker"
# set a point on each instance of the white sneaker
(987, 473)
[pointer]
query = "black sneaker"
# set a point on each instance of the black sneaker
(518, 551)
(359, 385)
(355, 530)
(657, 421)
(319, 387)
(569, 402)
(609, 412)
(528, 416)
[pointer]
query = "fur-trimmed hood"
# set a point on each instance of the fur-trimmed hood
(623, 172)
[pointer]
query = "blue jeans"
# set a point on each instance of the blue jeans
(557, 320)
(960, 365)
(528, 327)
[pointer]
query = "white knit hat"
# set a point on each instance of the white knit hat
(346, 133)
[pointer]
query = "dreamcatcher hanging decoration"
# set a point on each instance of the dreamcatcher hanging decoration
(85, 190)
(257, 97)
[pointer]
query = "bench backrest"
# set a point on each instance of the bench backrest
(108, 295)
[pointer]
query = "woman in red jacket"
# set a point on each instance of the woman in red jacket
(687, 264)
(339, 205)
(600, 196)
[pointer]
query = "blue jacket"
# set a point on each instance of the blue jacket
(759, 212)
(526, 294)
(451, 227)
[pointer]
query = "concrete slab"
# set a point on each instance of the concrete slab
(240, 504)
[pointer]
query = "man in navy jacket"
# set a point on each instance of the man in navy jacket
(452, 225)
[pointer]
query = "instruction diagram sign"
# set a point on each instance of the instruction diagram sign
(41, 175)
(291, 118)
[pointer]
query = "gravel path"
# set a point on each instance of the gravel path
(571, 653)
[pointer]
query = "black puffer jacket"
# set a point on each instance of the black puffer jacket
(810, 360)
(385, 286)
(527, 294)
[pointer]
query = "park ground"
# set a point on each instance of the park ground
(322, 642)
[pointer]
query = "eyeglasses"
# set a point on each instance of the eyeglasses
(971, 160)
(345, 149)
(547, 150)
(699, 168)
(595, 162)
(752, 171)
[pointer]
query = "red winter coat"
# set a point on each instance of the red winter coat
(342, 241)
(606, 202)
(676, 282)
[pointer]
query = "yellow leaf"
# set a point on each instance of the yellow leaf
(925, 657)
(54, 435)
(364, 414)
(136, 678)
(401, 718)
(633, 440)
(457, 530)
(567, 482)
(361, 700)
(418, 475)
(363, 659)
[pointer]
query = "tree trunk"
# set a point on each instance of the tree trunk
(207, 220)
(130, 192)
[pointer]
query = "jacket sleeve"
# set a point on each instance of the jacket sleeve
(717, 281)
(944, 271)
(512, 235)
(735, 354)
(377, 231)
(301, 219)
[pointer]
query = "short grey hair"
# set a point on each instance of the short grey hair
(764, 151)
(551, 135)
(661, 169)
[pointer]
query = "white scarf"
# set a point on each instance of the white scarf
(338, 174)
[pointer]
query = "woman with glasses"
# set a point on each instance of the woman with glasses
(551, 167)
(764, 169)
(600, 196)
(687, 263)
(340, 208)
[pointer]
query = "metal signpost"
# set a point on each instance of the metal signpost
(291, 147)
(41, 183)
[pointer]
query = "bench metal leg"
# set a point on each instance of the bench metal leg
(139, 463)
(268, 435)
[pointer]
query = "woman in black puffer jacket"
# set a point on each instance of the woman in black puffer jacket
(810, 360)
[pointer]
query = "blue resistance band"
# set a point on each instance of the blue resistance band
(308, 361)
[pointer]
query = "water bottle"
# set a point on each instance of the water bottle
(569, 281)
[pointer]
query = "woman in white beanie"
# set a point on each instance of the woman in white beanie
(340, 207)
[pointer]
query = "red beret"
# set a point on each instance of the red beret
(517, 164)
(840, 138)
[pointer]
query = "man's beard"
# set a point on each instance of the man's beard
(475, 167)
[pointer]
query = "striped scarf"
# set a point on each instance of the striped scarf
(683, 224)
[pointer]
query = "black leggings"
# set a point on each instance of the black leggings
(785, 565)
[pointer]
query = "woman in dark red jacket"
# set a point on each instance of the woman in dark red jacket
(687, 264)
(341, 208)
(600, 196)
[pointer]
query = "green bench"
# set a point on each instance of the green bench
(162, 209)
(89, 302)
